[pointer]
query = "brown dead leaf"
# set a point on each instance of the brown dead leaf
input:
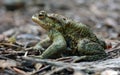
(2, 37)
(38, 66)
(109, 44)
(112, 43)
(110, 72)
(20, 71)
(110, 22)
(7, 63)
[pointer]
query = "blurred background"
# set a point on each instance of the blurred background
(102, 16)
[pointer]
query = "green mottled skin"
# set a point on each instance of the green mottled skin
(67, 37)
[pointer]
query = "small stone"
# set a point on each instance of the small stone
(13, 4)
(110, 72)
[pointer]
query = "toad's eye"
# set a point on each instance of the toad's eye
(41, 16)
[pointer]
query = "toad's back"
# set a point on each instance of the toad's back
(74, 32)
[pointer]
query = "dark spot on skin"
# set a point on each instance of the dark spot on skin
(54, 19)
(64, 18)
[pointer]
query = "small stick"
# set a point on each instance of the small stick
(56, 70)
(19, 71)
(42, 69)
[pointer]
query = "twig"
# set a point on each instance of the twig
(9, 44)
(111, 63)
(45, 61)
(42, 69)
(19, 71)
(56, 70)
(113, 53)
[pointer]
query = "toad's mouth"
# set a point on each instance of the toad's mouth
(37, 20)
(34, 18)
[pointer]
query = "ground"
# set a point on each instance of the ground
(102, 16)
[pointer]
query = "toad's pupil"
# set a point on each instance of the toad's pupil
(40, 16)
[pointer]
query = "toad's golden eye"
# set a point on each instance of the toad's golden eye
(41, 16)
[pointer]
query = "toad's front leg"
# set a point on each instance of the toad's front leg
(43, 44)
(56, 48)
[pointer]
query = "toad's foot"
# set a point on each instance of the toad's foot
(38, 57)
(38, 48)
(87, 58)
(92, 50)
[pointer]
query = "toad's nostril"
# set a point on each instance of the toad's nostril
(64, 18)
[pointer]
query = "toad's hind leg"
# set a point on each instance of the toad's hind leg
(90, 50)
